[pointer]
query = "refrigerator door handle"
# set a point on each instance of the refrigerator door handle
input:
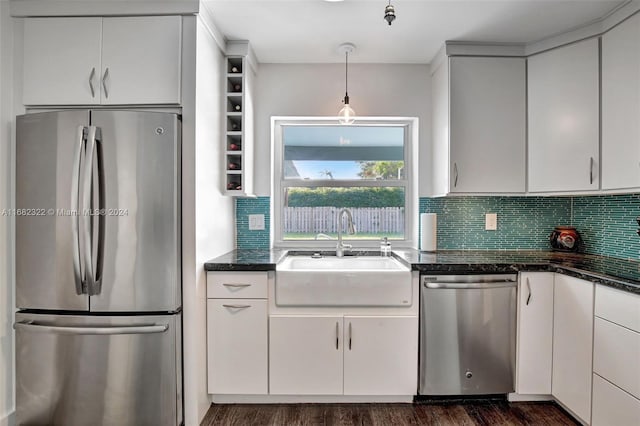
(87, 212)
(98, 220)
(134, 329)
(75, 208)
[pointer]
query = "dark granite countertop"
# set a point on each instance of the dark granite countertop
(618, 273)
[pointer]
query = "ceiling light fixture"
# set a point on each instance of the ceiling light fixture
(347, 114)
(389, 13)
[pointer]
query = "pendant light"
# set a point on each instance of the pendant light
(346, 114)
(389, 13)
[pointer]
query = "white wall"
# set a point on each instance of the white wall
(208, 216)
(317, 90)
(6, 287)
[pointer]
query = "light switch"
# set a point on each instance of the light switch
(256, 222)
(491, 222)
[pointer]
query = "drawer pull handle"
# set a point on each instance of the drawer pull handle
(237, 285)
(237, 306)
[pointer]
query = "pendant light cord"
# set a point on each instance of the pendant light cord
(346, 73)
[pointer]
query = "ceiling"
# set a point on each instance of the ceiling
(309, 31)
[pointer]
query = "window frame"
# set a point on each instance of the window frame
(409, 183)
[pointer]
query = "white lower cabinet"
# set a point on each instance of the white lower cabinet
(305, 355)
(535, 333)
(612, 406)
(336, 355)
(237, 346)
(616, 358)
(380, 355)
(237, 333)
(573, 344)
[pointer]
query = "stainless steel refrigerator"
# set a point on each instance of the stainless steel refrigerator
(98, 327)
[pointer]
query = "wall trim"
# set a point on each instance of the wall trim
(317, 399)
(25, 8)
(206, 17)
(594, 28)
(8, 419)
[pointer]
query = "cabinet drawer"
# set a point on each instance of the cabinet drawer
(242, 285)
(618, 306)
(612, 406)
(237, 346)
(616, 351)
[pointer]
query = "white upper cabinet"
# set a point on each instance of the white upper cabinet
(90, 61)
(621, 106)
(479, 117)
(62, 61)
(563, 94)
(141, 60)
(487, 125)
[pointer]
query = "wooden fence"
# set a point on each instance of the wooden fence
(323, 219)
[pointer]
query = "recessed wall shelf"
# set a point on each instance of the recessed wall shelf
(234, 119)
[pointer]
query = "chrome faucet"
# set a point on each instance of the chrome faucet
(341, 247)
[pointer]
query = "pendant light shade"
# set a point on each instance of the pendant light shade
(346, 114)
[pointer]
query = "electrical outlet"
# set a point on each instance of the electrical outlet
(256, 222)
(491, 221)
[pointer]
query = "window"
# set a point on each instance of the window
(321, 167)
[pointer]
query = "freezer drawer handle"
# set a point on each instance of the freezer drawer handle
(134, 329)
(492, 284)
(237, 285)
(237, 306)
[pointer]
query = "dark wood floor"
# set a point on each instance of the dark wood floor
(477, 413)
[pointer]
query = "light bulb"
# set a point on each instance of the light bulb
(347, 115)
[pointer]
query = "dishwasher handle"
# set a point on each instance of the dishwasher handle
(461, 285)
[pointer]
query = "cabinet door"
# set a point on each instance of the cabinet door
(305, 355)
(573, 344)
(563, 93)
(141, 60)
(61, 61)
(613, 406)
(381, 355)
(487, 124)
(621, 106)
(237, 346)
(535, 333)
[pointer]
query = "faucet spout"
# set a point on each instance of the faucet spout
(341, 247)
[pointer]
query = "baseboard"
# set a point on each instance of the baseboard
(307, 399)
(9, 419)
(516, 397)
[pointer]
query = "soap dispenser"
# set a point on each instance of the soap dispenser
(385, 247)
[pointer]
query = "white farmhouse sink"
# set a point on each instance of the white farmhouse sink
(342, 281)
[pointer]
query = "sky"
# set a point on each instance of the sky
(339, 169)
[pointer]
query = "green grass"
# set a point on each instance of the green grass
(356, 236)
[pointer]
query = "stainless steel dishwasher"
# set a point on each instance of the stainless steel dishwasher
(467, 334)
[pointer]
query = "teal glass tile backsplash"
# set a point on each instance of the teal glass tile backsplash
(523, 222)
(607, 223)
(250, 239)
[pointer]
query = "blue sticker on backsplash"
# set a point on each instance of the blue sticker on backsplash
(607, 223)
